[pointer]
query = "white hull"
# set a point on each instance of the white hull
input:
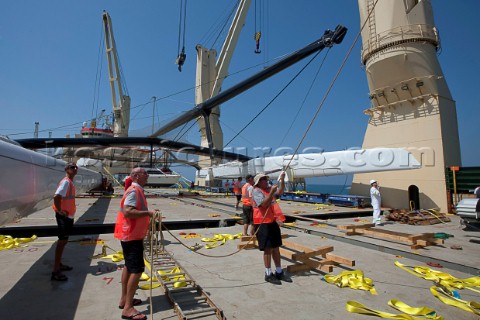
(166, 180)
(158, 178)
(310, 165)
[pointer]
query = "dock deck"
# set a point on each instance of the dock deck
(234, 281)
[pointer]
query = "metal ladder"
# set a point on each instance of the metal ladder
(186, 296)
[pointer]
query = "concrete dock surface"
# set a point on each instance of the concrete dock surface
(234, 279)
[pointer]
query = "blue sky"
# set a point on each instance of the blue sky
(49, 55)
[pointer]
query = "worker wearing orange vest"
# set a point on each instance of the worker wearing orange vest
(131, 228)
(64, 207)
(237, 190)
(267, 216)
(247, 216)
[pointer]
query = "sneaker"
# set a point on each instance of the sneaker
(283, 276)
(272, 279)
(58, 276)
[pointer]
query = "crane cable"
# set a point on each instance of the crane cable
(258, 34)
(181, 33)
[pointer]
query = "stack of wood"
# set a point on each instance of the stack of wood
(418, 217)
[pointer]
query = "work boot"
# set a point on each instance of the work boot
(272, 279)
(283, 276)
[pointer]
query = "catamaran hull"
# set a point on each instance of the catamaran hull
(28, 181)
(324, 164)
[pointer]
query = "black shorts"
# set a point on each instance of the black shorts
(269, 236)
(65, 226)
(239, 197)
(247, 215)
(133, 254)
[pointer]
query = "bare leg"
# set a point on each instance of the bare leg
(276, 257)
(132, 284)
(58, 254)
(245, 229)
(267, 257)
(123, 298)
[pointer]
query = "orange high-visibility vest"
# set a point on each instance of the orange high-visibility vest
(274, 212)
(68, 202)
(236, 188)
(127, 229)
(246, 196)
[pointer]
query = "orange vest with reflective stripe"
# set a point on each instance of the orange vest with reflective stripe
(127, 229)
(246, 196)
(68, 202)
(274, 212)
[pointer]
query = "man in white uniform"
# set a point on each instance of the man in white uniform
(376, 201)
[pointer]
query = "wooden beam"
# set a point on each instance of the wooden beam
(316, 252)
(340, 260)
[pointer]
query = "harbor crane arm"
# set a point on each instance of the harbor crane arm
(121, 110)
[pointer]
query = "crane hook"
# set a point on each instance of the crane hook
(258, 35)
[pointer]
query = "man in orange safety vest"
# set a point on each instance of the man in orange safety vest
(64, 207)
(131, 228)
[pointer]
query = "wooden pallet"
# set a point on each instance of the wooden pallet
(305, 258)
(416, 241)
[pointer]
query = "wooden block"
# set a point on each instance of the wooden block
(319, 251)
(245, 245)
(304, 267)
(298, 268)
(356, 226)
(284, 252)
(248, 238)
(341, 260)
(436, 241)
(296, 246)
(352, 233)
(421, 242)
(327, 269)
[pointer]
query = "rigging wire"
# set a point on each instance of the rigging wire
(305, 98)
(221, 29)
(274, 98)
(330, 87)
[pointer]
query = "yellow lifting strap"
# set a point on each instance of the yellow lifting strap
(441, 278)
(116, 257)
(220, 239)
(410, 313)
(8, 242)
(165, 276)
(445, 284)
(449, 299)
(353, 279)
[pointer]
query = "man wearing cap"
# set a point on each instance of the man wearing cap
(267, 216)
(376, 201)
(64, 207)
(247, 216)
